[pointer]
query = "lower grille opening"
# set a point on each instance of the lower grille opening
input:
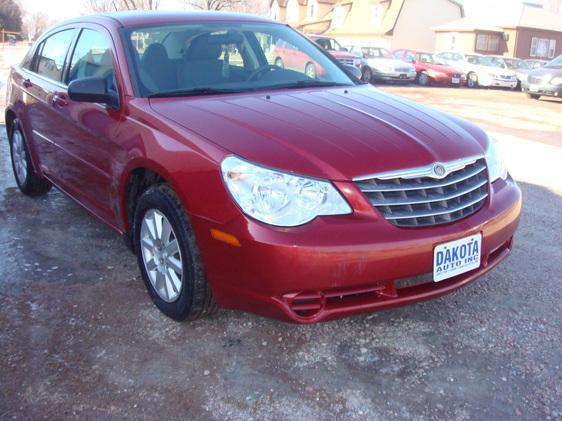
(306, 304)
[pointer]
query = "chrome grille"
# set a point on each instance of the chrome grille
(346, 61)
(417, 199)
(535, 79)
(402, 69)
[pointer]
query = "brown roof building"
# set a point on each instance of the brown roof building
(532, 32)
(387, 23)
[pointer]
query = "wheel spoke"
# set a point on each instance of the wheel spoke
(170, 288)
(176, 281)
(158, 220)
(150, 225)
(175, 264)
(151, 265)
(166, 231)
(148, 243)
(172, 248)
(159, 281)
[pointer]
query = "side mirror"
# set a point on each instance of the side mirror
(345, 49)
(93, 89)
(354, 71)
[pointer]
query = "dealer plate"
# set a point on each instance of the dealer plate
(534, 88)
(456, 257)
(455, 80)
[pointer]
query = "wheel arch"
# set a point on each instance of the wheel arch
(9, 117)
(138, 176)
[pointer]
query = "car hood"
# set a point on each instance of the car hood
(546, 73)
(388, 62)
(330, 133)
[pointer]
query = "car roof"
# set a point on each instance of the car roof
(150, 18)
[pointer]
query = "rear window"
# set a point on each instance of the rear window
(52, 54)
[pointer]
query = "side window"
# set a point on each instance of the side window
(92, 57)
(52, 54)
(410, 58)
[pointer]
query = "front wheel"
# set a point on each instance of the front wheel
(533, 96)
(367, 75)
(28, 181)
(168, 256)
(472, 81)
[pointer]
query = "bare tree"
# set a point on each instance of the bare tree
(214, 4)
(119, 5)
(34, 24)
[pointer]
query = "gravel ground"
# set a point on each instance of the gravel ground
(79, 337)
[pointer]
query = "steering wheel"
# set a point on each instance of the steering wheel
(262, 69)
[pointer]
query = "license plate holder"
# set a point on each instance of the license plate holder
(456, 80)
(457, 257)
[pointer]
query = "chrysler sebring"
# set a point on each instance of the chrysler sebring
(242, 184)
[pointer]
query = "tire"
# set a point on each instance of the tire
(29, 182)
(472, 80)
(279, 62)
(424, 79)
(533, 96)
(193, 298)
(310, 70)
(367, 74)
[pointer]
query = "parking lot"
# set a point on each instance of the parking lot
(79, 337)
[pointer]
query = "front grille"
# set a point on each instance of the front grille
(402, 70)
(412, 201)
(346, 61)
(535, 79)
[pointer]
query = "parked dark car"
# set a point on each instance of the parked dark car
(242, 184)
(431, 69)
(546, 81)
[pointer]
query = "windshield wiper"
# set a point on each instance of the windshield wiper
(306, 84)
(193, 92)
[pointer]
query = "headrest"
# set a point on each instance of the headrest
(155, 53)
(202, 49)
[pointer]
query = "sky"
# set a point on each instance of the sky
(59, 9)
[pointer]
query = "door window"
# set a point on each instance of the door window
(52, 54)
(92, 57)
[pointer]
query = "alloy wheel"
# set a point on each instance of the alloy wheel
(19, 156)
(161, 255)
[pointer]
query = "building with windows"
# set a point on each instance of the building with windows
(531, 32)
(384, 23)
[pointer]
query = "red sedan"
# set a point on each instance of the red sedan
(431, 69)
(245, 185)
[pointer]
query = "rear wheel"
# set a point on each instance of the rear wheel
(472, 80)
(27, 179)
(168, 256)
(310, 70)
(424, 79)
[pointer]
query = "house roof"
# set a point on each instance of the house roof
(525, 17)
(283, 3)
(358, 15)
(467, 25)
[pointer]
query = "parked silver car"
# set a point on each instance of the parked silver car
(377, 64)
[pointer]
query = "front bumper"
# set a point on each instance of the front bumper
(394, 76)
(498, 82)
(543, 90)
(349, 264)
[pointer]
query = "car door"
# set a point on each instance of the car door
(86, 152)
(42, 80)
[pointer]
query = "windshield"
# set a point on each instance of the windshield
(372, 52)
(431, 59)
(226, 57)
(557, 62)
(517, 64)
(481, 60)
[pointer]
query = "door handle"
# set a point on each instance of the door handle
(59, 101)
(27, 83)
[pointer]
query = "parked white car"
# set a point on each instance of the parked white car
(378, 64)
(480, 70)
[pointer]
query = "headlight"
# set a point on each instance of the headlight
(277, 198)
(357, 62)
(556, 80)
(496, 167)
